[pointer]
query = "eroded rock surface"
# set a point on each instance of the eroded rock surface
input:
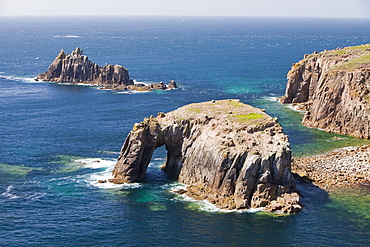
(77, 68)
(231, 154)
(334, 88)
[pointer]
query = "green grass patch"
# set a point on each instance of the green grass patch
(194, 110)
(353, 63)
(351, 49)
(249, 116)
(235, 104)
(357, 55)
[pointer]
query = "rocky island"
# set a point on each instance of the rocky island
(76, 68)
(333, 87)
(229, 153)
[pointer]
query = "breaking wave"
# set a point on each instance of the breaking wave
(103, 172)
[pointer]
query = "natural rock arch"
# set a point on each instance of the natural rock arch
(229, 153)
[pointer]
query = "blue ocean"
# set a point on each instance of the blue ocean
(57, 141)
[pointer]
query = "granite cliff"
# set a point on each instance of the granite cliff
(333, 87)
(229, 153)
(77, 68)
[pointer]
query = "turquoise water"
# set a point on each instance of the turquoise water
(56, 141)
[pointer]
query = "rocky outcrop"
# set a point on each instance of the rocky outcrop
(334, 88)
(229, 153)
(77, 68)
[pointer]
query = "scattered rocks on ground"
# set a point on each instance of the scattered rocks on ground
(346, 166)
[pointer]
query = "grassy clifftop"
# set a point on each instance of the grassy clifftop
(349, 58)
(233, 110)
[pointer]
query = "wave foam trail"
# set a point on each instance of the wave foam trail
(8, 194)
(66, 36)
(132, 92)
(11, 194)
(22, 79)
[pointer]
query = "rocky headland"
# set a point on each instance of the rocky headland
(76, 68)
(229, 153)
(333, 87)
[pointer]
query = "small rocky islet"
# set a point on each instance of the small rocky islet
(226, 152)
(76, 68)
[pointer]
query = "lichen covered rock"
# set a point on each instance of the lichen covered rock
(231, 154)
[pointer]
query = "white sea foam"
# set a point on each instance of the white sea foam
(66, 36)
(294, 108)
(96, 163)
(132, 91)
(271, 98)
(316, 128)
(11, 194)
(205, 205)
(104, 169)
(8, 193)
(23, 79)
(141, 82)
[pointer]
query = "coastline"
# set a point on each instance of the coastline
(343, 167)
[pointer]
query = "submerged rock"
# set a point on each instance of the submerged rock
(334, 88)
(77, 68)
(229, 153)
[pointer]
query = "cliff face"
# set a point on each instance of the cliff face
(229, 153)
(77, 68)
(334, 88)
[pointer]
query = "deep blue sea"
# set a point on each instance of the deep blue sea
(56, 140)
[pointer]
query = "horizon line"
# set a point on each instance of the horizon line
(235, 16)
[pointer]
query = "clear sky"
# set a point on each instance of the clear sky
(290, 8)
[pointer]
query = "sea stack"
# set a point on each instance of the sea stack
(76, 68)
(229, 153)
(333, 87)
